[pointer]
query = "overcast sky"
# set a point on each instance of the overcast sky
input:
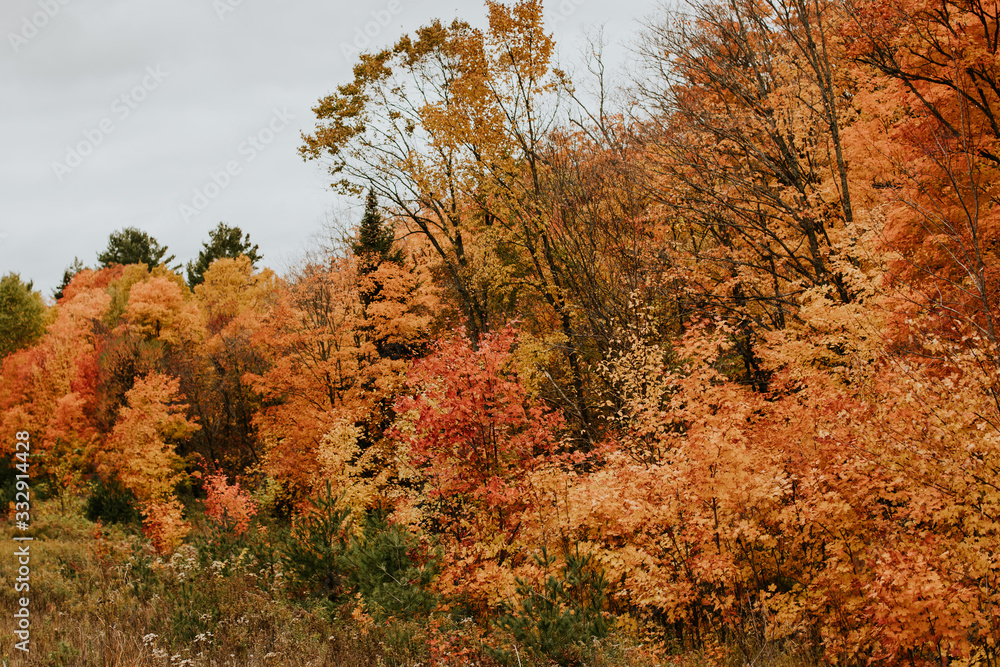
(117, 113)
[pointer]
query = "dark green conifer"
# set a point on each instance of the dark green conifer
(223, 241)
(375, 242)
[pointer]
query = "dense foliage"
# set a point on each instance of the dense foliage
(715, 367)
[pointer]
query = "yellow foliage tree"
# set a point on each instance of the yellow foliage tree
(140, 448)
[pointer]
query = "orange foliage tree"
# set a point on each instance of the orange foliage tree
(328, 387)
(930, 111)
(746, 154)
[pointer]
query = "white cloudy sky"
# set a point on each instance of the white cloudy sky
(197, 81)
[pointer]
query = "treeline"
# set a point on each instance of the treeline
(732, 339)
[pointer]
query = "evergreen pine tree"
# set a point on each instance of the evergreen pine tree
(68, 275)
(374, 246)
(134, 246)
(224, 241)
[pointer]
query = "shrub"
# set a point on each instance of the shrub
(110, 502)
(163, 523)
(228, 505)
(559, 618)
(313, 554)
(388, 570)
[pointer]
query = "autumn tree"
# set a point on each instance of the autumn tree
(370, 127)
(49, 388)
(449, 127)
(932, 110)
(601, 230)
(22, 314)
(224, 241)
(235, 300)
(310, 373)
(474, 435)
(233, 293)
(335, 365)
(140, 451)
(141, 447)
(384, 278)
(748, 103)
(150, 325)
(160, 308)
(474, 105)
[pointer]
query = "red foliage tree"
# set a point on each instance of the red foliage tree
(475, 436)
